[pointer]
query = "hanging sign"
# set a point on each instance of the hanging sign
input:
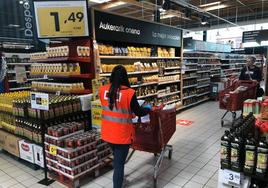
(255, 36)
(40, 101)
(61, 19)
(116, 28)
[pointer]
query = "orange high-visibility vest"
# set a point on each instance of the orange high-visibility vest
(116, 125)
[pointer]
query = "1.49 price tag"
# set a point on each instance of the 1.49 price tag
(231, 177)
(61, 19)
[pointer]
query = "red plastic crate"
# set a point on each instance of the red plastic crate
(154, 135)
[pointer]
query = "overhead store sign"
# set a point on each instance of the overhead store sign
(255, 36)
(61, 19)
(110, 27)
(196, 45)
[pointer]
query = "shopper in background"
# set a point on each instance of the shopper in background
(119, 102)
(252, 72)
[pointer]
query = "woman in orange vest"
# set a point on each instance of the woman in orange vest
(119, 102)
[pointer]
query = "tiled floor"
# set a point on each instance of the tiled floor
(194, 163)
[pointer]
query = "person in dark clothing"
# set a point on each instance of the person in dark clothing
(252, 72)
(119, 102)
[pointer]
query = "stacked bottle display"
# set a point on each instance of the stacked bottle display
(243, 150)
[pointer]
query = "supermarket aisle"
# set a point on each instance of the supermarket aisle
(194, 164)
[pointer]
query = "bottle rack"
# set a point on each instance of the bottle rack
(60, 68)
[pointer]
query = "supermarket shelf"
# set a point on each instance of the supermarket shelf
(63, 59)
(192, 77)
(213, 75)
(211, 64)
(169, 82)
(188, 97)
(171, 73)
(63, 137)
(215, 69)
(14, 72)
(103, 151)
(233, 59)
(130, 57)
(200, 58)
(168, 94)
(207, 85)
(29, 79)
(201, 94)
(190, 64)
(231, 69)
(86, 91)
(66, 76)
(189, 70)
(144, 84)
(80, 156)
(172, 68)
(203, 79)
(18, 88)
(170, 102)
(19, 64)
(67, 150)
(185, 87)
(146, 96)
(187, 106)
(132, 73)
(204, 71)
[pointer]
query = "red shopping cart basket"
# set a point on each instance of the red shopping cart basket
(234, 101)
(154, 135)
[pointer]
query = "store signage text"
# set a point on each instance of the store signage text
(121, 28)
(28, 16)
(255, 36)
(115, 28)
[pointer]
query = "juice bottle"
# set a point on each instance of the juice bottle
(262, 156)
(250, 155)
(236, 152)
(225, 150)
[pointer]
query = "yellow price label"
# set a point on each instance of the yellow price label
(44, 101)
(66, 19)
(53, 150)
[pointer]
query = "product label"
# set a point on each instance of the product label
(234, 155)
(224, 152)
(261, 162)
(250, 158)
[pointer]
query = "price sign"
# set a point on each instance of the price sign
(40, 101)
(53, 150)
(61, 18)
(231, 177)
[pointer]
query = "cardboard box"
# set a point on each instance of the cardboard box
(38, 155)
(26, 151)
(96, 112)
(12, 144)
(2, 140)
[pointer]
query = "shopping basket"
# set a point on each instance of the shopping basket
(232, 102)
(153, 136)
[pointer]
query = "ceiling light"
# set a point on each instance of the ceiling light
(167, 16)
(215, 7)
(204, 20)
(114, 4)
(99, 1)
(21, 2)
(264, 43)
(210, 4)
(162, 10)
(13, 25)
(250, 44)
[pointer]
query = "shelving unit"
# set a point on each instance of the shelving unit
(18, 60)
(67, 75)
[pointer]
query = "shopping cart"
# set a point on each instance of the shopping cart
(232, 102)
(153, 136)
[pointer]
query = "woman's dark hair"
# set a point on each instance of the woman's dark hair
(118, 78)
